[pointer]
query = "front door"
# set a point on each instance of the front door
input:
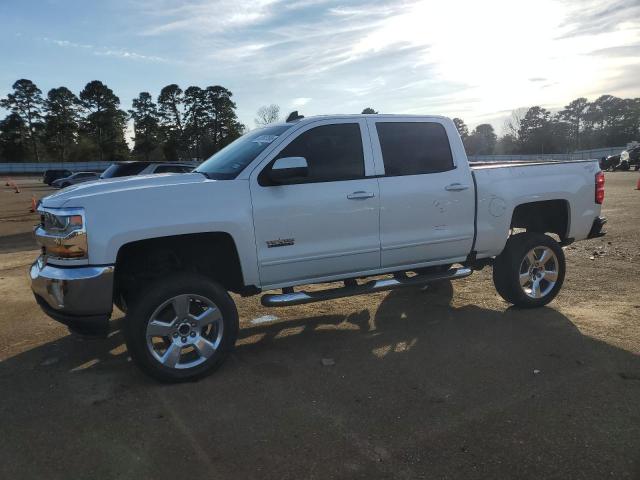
(325, 225)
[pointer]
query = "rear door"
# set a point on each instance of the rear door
(426, 200)
(326, 225)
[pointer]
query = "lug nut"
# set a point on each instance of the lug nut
(193, 334)
(175, 335)
(184, 339)
(193, 324)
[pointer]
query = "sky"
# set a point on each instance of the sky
(477, 60)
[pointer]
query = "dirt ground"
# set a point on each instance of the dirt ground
(443, 383)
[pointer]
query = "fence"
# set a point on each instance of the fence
(595, 153)
(14, 168)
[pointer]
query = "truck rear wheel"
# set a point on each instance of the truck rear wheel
(181, 328)
(530, 271)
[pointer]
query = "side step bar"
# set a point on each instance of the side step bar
(299, 298)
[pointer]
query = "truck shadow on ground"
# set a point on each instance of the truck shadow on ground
(416, 386)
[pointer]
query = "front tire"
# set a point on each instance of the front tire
(530, 270)
(181, 328)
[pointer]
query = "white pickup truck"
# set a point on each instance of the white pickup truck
(314, 200)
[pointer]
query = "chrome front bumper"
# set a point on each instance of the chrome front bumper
(79, 297)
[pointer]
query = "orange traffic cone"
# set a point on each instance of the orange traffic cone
(15, 186)
(33, 204)
(638, 184)
(8, 182)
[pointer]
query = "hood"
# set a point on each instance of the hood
(73, 196)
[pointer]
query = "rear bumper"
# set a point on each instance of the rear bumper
(596, 228)
(79, 297)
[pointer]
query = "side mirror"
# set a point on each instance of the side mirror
(288, 168)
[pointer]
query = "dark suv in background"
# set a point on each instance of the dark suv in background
(52, 175)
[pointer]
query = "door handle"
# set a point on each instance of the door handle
(360, 195)
(456, 187)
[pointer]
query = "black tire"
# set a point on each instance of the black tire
(510, 264)
(145, 304)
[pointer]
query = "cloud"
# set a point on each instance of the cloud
(104, 51)
(592, 17)
(207, 17)
(300, 101)
(404, 56)
(631, 51)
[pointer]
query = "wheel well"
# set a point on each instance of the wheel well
(211, 254)
(548, 216)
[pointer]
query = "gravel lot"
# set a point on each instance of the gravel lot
(443, 383)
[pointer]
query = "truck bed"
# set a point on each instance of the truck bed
(521, 163)
(500, 187)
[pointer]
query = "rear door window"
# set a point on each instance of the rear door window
(414, 148)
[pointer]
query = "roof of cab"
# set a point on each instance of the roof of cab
(354, 115)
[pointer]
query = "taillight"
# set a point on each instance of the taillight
(600, 187)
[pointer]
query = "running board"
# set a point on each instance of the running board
(299, 298)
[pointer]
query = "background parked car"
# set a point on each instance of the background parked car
(54, 174)
(126, 169)
(78, 177)
(612, 162)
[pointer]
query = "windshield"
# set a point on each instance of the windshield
(232, 159)
(123, 170)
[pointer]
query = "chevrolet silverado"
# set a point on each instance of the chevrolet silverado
(370, 202)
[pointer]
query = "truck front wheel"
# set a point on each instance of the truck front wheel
(181, 328)
(530, 271)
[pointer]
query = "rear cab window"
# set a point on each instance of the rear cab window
(414, 148)
(172, 169)
(123, 170)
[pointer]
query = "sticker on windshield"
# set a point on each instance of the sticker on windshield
(265, 139)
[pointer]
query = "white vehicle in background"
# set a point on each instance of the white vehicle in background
(127, 169)
(314, 200)
(75, 178)
(631, 156)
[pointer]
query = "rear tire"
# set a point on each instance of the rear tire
(530, 270)
(181, 328)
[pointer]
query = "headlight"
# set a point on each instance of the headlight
(62, 233)
(624, 156)
(62, 223)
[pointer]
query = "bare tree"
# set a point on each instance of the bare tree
(267, 114)
(512, 124)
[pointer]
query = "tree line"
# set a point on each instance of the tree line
(196, 122)
(608, 121)
(63, 126)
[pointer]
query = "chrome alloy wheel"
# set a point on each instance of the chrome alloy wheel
(538, 272)
(184, 331)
